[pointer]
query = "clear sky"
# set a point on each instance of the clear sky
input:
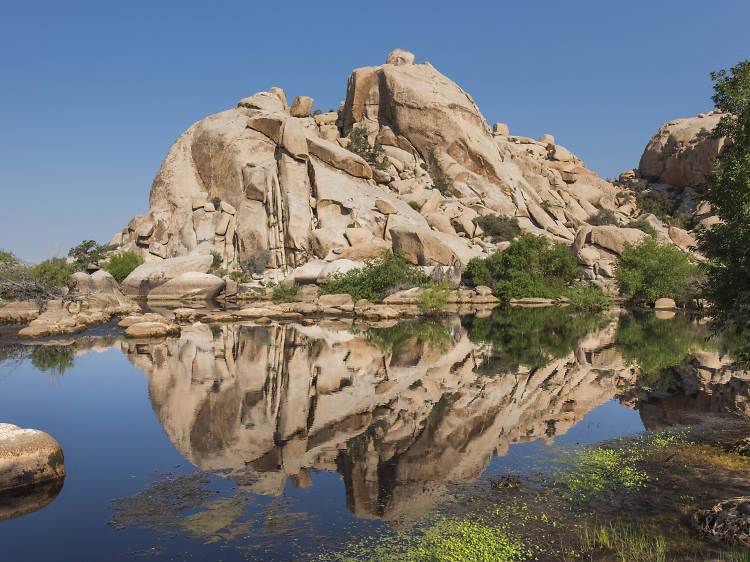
(92, 94)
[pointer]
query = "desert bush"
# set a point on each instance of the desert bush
(88, 252)
(443, 184)
(641, 224)
(416, 206)
(216, 201)
(240, 276)
(285, 292)
(587, 298)
(498, 228)
(657, 202)
(257, 262)
(648, 271)
(374, 155)
(216, 260)
(530, 267)
(602, 217)
(434, 298)
(53, 273)
(121, 265)
(376, 278)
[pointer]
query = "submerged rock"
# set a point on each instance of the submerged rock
(28, 457)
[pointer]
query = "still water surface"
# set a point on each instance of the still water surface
(271, 442)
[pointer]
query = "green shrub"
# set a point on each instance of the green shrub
(216, 201)
(53, 273)
(416, 206)
(530, 267)
(434, 298)
(659, 203)
(48, 280)
(498, 228)
(240, 276)
(443, 184)
(88, 252)
(317, 112)
(358, 144)
(649, 271)
(641, 224)
(285, 292)
(121, 265)
(377, 277)
(257, 262)
(216, 260)
(588, 298)
(602, 217)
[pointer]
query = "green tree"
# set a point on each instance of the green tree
(727, 188)
(648, 271)
(87, 252)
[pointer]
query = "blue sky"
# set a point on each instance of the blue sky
(94, 93)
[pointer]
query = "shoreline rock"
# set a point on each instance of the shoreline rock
(28, 457)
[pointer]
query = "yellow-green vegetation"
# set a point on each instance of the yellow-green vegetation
(443, 184)
(444, 539)
(376, 279)
(648, 271)
(285, 292)
(434, 297)
(602, 217)
(530, 267)
(121, 265)
(593, 471)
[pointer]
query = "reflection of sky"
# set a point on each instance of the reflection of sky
(113, 443)
(608, 421)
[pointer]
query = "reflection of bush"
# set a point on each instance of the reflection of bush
(531, 337)
(655, 344)
(395, 339)
(55, 358)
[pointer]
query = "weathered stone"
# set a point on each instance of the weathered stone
(152, 330)
(335, 300)
(301, 106)
(614, 238)
(385, 207)
(665, 304)
(500, 129)
(399, 57)
(146, 277)
(191, 285)
(28, 457)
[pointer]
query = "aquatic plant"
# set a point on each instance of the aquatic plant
(440, 540)
(434, 298)
(285, 292)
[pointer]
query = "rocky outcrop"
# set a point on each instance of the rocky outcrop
(682, 151)
(28, 457)
(264, 177)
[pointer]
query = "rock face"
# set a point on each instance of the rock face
(148, 276)
(288, 187)
(28, 457)
(682, 151)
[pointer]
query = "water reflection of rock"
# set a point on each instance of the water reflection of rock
(699, 388)
(278, 401)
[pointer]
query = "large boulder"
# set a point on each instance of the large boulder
(191, 285)
(150, 275)
(614, 238)
(682, 151)
(28, 457)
